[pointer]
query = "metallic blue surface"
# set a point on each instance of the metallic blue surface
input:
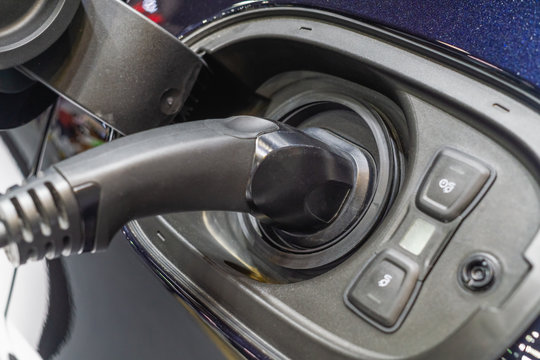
(503, 33)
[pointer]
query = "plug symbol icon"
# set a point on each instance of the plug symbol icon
(447, 186)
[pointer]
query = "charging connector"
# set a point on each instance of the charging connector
(283, 176)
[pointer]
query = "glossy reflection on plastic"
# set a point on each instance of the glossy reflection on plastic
(72, 131)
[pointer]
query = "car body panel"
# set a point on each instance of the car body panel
(110, 305)
(500, 34)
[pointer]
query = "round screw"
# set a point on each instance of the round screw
(477, 272)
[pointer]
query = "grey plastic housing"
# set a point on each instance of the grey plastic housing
(114, 75)
(445, 106)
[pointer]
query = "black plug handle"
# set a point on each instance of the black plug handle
(226, 164)
(299, 184)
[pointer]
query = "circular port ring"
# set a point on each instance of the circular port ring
(296, 104)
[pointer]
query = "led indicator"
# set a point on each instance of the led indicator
(417, 237)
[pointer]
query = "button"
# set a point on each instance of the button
(384, 287)
(452, 183)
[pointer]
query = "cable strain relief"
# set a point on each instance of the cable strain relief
(40, 219)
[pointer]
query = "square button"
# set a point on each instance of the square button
(384, 287)
(451, 184)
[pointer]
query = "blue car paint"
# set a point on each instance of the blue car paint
(504, 34)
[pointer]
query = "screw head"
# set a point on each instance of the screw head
(478, 271)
